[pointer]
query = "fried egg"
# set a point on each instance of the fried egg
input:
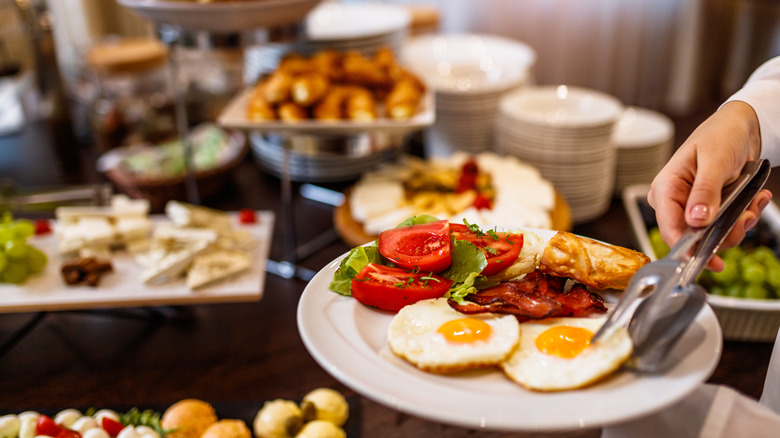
(436, 338)
(555, 354)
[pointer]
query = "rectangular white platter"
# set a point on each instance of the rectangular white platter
(122, 287)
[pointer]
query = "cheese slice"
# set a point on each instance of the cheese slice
(172, 251)
(188, 215)
(214, 266)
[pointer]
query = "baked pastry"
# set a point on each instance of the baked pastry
(227, 429)
(188, 418)
(593, 263)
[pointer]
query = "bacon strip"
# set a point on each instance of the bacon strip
(536, 296)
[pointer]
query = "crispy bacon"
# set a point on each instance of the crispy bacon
(536, 296)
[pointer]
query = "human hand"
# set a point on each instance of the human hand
(686, 192)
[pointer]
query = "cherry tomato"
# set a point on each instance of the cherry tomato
(247, 216)
(500, 249)
(468, 176)
(42, 227)
(111, 426)
(47, 426)
(481, 202)
(67, 433)
(391, 288)
(424, 247)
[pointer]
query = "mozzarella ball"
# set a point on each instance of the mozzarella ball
(96, 432)
(146, 432)
(83, 424)
(9, 426)
(321, 429)
(437, 338)
(278, 419)
(189, 417)
(555, 354)
(102, 413)
(28, 424)
(325, 404)
(67, 417)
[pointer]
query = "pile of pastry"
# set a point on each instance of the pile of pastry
(331, 86)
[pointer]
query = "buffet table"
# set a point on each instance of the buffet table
(234, 355)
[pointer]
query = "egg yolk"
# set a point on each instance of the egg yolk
(465, 330)
(564, 341)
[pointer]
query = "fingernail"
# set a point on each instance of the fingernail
(700, 212)
(762, 204)
(750, 223)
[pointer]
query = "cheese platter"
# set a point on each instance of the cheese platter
(149, 277)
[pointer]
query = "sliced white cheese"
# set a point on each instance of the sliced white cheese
(121, 205)
(369, 199)
(133, 227)
(188, 215)
(377, 224)
(172, 261)
(215, 266)
(96, 230)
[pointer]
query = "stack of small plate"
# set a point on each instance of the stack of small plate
(644, 140)
(469, 73)
(566, 132)
(362, 27)
(317, 158)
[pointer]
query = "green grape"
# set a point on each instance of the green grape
(660, 248)
(36, 260)
(729, 274)
(752, 272)
(23, 229)
(756, 291)
(3, 261)
(6, 234)
(773, 275)
(734, 253)
(15, 272)
(763, 254)
(733, 290)
(16, 249)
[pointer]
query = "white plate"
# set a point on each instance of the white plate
(349, 341)
(562, 106)
(234, 116)
(223, 17)
(123, 287)
(339, 21)
(641, 127)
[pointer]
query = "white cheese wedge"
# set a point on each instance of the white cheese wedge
(172, 251)
(188, 215)
(121, 205)
(96, 230)
(375, 198)
(133, 227)
(214, 266)
(391, 219)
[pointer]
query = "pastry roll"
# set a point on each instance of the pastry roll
(276, 88)
(595, 264)
(294, 65)
(259, 108)
(292, 112)
(403, 100)
(309, 88)
(328, 63)
(360, 70)
(331, 107)
(361, 104)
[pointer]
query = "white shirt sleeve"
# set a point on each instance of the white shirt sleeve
(762, 92)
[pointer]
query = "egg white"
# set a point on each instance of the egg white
(413, 335)
(536, 370)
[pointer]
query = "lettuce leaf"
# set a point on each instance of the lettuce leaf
(353, 263)
(418, 220)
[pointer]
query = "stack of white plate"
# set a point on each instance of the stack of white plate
(567, 133)
(469, 73)
(362, 27)
(644, 140)
(317, 158)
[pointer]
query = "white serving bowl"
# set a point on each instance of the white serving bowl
(469, 63)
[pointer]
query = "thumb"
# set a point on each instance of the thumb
(703, 201)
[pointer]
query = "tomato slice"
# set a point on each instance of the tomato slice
(424, 247)
(111, 426)
(47, 426)
(500, 249)
(391, 288)
(67, 433)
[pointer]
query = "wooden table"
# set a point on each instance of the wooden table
(234, 355)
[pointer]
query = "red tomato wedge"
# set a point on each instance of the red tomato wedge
(47, 426)
(391, 288)
(424, 247)
(111, 426)
(500, 249)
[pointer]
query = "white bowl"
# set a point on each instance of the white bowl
(469, 63)
(562, 106)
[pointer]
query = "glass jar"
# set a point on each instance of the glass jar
(134, 102)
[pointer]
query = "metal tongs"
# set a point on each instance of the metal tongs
(658, 321)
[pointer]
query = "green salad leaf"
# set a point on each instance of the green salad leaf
(353, 263)
(418, 220)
